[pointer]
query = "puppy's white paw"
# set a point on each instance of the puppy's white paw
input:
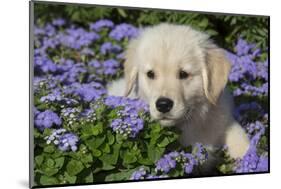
(237, 141)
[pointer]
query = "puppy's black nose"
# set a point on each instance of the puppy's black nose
(164, 105)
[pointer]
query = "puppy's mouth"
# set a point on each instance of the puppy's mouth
(167, 121)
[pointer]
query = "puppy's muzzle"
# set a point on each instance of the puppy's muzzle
(164, 105)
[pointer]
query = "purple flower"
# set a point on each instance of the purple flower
(68, 141)
(47, 119)
(99, 25)
(252, 162)
(165, 164)
(122, 31)
(115, 101)
(139, 174)
(108, 47)
(58, 22)
(128, 127)
(76, 38)
(64, 141)
(87, 92)
(250, 76)
(44, 64)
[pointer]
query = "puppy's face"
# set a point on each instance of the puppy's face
(171, 83)
(168, 65)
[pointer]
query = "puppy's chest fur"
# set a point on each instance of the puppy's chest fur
(206, 125)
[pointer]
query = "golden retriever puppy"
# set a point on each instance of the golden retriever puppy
(181, 74)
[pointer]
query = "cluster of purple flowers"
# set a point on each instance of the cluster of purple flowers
(171, 160)
(250, 76)
(108, 47)
(101, 24)
(253, 161)
(128, 122)
(65, 141)
(46, 119)
(122, 31)
(64, 77)
(141, 174)
(107, 68)
(174, 160)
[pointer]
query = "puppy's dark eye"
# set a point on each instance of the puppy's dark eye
(183, 75)
(150, 74)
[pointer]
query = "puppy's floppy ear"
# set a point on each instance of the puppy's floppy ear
(130, 67)
(215, 73)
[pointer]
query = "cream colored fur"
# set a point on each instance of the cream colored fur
(202, 108)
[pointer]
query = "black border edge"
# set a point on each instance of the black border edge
(31, 52)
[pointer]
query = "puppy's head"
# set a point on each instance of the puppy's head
(176, 70)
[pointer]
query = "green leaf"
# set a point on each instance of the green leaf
(49, 149)
(59, 162)
(50, 162)
(70, 179)
(164, 142)
(95, 142)
(122, 13)
(145, 161)
(39, 159)
(97, 129)
(50, 171)
(111, 158)
(74, 167)
(105, 148)
(110, 137)
(129, 158)
(155, 153)
(45, 180)
(96, 152)
(87, 159)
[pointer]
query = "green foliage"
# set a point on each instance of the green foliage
(102, 155)
(224, 29)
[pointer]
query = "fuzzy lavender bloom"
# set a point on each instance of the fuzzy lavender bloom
(108, 47)
(54, 137)
(64, 141)
(166, 163)
(128, 127)
(49, 30)
(87, 92)
(252, 162)
(99, 25)
(58, 22)
(88, 116)
(144, 174)
(44, 64)
(139, 174)
(76, 38)
(108, 68)
(186, 160)
(256, 127)
(122, 31)
(111, 67)
(70, 72)
(47, 119)
(68, 142)
(115, 101)
(70, 115)
(250, 76)
(200, 153)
